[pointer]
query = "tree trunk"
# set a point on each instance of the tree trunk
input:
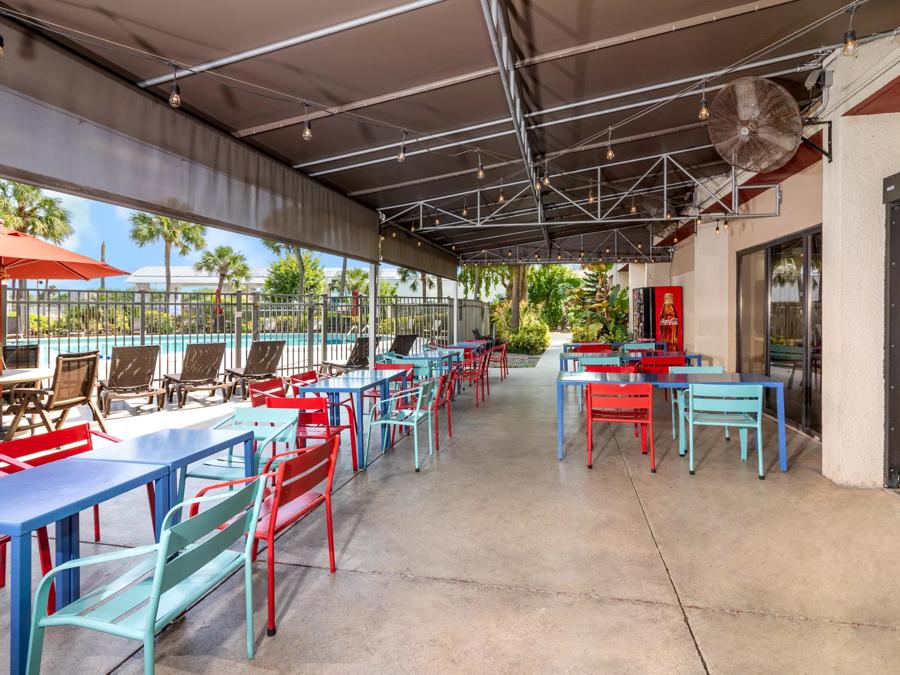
(478, 282)
(219, 313)
(524, 281)
(343, 287)
(440, 287)
(301, 270)
(424, 279)
(516, 300)
(167, 261)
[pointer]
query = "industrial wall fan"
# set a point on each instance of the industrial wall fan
(755, 124)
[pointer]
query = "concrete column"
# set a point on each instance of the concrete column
(455, 333)
(711, 299)
(866, 148)
(373, 311)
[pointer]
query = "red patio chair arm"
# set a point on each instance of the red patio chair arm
(100, 434)
(195, 507)
(13, 462)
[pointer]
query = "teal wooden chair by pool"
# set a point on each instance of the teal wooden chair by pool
(679, 400)
(727, 405)
(269, 426)
(406, 410)
(191, 558)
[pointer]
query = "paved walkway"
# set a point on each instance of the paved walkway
(499, 558)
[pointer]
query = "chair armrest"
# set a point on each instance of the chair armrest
(222, 423)
(14, 462)
(100, 434)
(195, 506)
(31, 390)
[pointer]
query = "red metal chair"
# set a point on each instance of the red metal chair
(474, 374)
(313, 420)
(31, 451)
(293, 494)
(621, 404)
(311, 377)
(498, 357)
(263, 389)
(659, 365)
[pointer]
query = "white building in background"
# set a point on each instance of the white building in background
(185, 279)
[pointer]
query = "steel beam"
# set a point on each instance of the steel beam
(290, 42)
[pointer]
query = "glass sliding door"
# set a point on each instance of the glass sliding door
(780, 322)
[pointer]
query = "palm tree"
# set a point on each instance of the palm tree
(25, 208)
(416, 280)
(342, 287)
(179, 235)
(230, 266)
(282, 250)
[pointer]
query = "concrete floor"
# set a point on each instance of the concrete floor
(499, 558)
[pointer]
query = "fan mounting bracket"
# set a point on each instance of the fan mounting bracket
(825, 152)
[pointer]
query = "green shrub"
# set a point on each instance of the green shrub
(533, 336)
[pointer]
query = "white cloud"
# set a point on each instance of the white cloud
(79, 210)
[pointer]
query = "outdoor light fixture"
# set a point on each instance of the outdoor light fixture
(535, 255)
(703, 113)
(480, 173)
(546, 174)
(717, 229)
(509, 253)
(401, 156)
(307, 127)
(725, 224)
(581, 254)
(850, 43)
(591, 193)
(640, 244)
(465, 211)
(501, 198)
(675, 239)
(437, 218)
(393, 234)
(453, 247)
(559, 256)
(632, 208)
(610, 154)
(175, 92)
(418, 242)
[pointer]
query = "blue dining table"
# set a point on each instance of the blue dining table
(355, 383)
(57, 493)
(573, 357)
(477, 345)
(579, 380)
(567, 346)
(174, 449)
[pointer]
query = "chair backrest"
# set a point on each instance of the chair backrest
(600, 361)
(660, 364)
(74, 378)
(263, 357)
(408, 368)
(359, 355)
(688, 370)
(132, 367)
(310, 410)
(428, 390)
(614, 396)
(297, 477)
(202, 361)
(611, 369)
(49, 447)
(260, 391)
(263, 416)
(403, 343)
(587, 349)
(234, 514)
(639, 346)
(726, 398)
(21, 356)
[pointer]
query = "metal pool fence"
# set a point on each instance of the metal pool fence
(315, 328)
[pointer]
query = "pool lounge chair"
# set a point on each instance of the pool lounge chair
(262, 363)
(358, 359)
(199, 372)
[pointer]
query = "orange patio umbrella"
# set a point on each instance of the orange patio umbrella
(25, 257)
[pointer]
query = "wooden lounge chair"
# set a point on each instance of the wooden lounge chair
(73, 385)
(131, 376)
(358, 359)
(199, 372)
(403, 343)
(262, 363)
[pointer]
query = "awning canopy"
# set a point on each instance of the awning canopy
(374, 77)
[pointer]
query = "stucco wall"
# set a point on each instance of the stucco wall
(867, 149)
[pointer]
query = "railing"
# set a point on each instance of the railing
(315, 328)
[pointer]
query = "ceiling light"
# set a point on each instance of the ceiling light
(538, 183)
(535, 255)
(640, 245)
(501, 198)
(418, 242)
(437, 219)
(307, 127)
(480, 172)
(675, 240)
(465, 211)
(381, 238)
(610, 154)
(850, 43)
(402, 154)
(509, 253)
(632, 208)
(703, 113)
(175, 92)
(581, 254)
(453, 247)
(607, 249)
(559, 256)
(393, 234)
(591, 193)
(546, 180)
(725, 224)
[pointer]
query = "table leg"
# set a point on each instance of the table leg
(385, 394)
(166, 492)
(20, 602)
(250, 468)
(334, 407)
(360, 429)
(562, 363)
(560, 433)
(782, 441)
(68, 583)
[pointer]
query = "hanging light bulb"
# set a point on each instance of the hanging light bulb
(401, 156)
(175, 92)
(546, 180)
(479, 174)
(2, 47)
(501, 198)
(307, 127)
(437, 218)
(591, 193)
(726, 224)
(610, 154)
(465, 211)
(559, 256)
(850, 43)
(675, 239)
(509, 253)
(538, 183)
(453, 247)
(381, 238)
(607, 249)
(535, 255)
(633, 208)
(581, 254)
(418, 242)
(703, 113)
(640, 244)
(393, 234)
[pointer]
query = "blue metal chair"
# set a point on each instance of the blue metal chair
(727, 405)
(269, 426)
(191, 558)
(405, 409)
(678, 401)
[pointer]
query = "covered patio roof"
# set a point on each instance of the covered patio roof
(512, 87)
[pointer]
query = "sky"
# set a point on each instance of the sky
(96, 222)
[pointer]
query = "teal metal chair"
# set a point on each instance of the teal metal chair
(727, 405)
(423, 367)
(678, 401)
(269, 426)
(405, 409)
(639, 346)
(595, 361)
(191, 558)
